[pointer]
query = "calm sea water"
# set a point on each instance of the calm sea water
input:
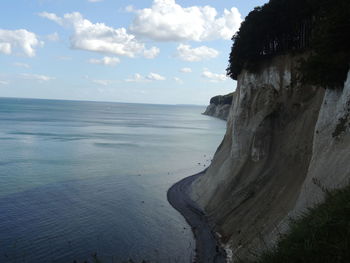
(78, 178)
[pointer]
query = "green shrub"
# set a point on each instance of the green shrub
(322, 234)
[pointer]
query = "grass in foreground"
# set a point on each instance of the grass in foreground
(322, 234)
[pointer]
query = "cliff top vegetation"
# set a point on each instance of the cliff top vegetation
(222, 99)
(319, 27)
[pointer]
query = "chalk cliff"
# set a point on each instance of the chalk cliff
(219, 106)
(284, 142)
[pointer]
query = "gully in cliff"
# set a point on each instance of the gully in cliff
(208, 249)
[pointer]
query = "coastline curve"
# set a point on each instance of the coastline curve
(208, 248)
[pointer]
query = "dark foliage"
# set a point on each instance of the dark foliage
(321, 235)
(221, 100)
(290, 26)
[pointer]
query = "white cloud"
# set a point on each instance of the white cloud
(107, 61)
(4, 82)
(54, 37)
(5, 48)
(101, 82)
(53, 17)
(21, 65)
(136, 78)
(150, 77)
(178, 80)
(186, 70)
(168, 21)
(213, 77)
(94, 1)
(99, 37)
(21, 40)
(151, 53)
(186, 53)
(155, 76)
(40, 78)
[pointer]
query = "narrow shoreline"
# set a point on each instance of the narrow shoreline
(208, 248)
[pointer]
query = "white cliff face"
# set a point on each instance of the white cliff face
(265, 166)
(218, 111)
(330, 163)
(220, 106)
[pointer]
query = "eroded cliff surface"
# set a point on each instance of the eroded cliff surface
(283, 141)
(329, 166)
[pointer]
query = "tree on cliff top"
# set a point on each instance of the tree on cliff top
(290, 26)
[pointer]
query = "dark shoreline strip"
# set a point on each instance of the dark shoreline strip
(208, 249)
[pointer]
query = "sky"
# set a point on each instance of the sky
(139, 51)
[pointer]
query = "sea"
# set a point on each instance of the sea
(84, 180)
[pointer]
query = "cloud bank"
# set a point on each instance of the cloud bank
(98, 37)
(168, 21)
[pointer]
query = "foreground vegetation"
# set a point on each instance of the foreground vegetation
(318, 28)
(322, 234)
